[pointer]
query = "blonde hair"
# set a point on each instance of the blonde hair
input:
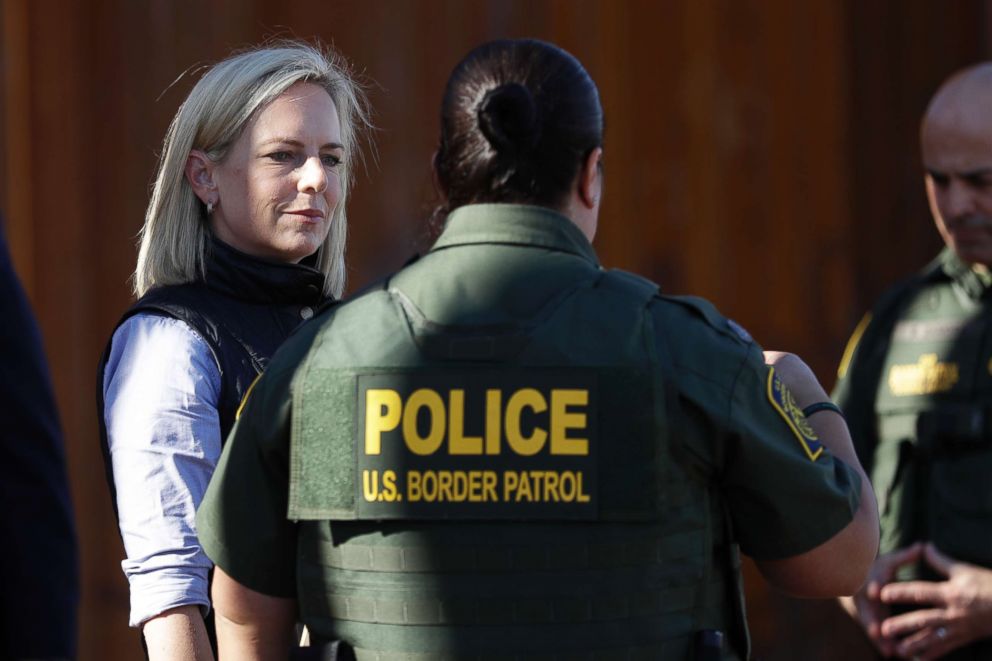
(176, 232)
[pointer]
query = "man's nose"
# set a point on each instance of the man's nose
(959, 200)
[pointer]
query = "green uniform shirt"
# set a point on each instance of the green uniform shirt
(784, 493)
(915, 384)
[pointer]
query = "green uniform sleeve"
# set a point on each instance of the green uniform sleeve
(242, 523)
(784, 493)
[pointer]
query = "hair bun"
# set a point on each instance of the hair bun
(508, 118)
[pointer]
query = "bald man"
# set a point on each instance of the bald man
(916, 387)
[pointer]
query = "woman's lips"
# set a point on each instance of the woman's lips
(313, 215)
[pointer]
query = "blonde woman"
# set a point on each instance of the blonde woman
(243, 239)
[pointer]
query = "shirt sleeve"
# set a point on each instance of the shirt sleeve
(161, 392)
(783, 493)
(786, 493)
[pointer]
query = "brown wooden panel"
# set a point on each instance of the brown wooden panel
(5, 49)
(759, 152)
(17, 126)
(898, 59)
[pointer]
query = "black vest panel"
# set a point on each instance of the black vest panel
(243, 308)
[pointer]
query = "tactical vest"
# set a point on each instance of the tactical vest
(934, 415)
(512, 491)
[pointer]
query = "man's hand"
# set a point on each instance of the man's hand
(953, 613)
(867, 606)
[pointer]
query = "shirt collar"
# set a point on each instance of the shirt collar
(515, 224)
(974, 283)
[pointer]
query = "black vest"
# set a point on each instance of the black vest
(243, 309)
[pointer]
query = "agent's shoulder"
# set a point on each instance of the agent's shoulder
(693, 314)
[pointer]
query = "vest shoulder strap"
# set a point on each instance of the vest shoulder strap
(707, 312)
(628, 284)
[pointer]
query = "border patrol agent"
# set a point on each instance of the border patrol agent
(916, 385)
(506, 451)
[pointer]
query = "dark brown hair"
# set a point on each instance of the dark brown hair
(517, 120)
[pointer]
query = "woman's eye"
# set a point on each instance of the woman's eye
(330, 160)
(280, 156)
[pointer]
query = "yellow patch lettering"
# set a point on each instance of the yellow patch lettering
(370, 485)
(489, 486)
(494, 404)
(524, 490)
(389, 491)
(510, 481)
(571, 487)
(414, 492)
(477, 444)
(925, 377)
(430, 400)
(551, 487)
(562, 421)
(530, 445)
(429, 486)
(460, 443)
(382, 414)
(444, 486)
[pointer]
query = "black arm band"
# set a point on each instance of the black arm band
(822, 406)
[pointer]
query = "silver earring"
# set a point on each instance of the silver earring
(210, 208)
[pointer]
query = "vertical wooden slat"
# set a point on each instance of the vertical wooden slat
(18, 154)
(3, 111)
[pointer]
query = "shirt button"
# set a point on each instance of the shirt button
(306, 313)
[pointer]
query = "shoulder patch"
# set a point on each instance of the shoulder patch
(740, 330)
(782, 401)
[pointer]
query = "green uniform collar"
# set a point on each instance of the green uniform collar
(976, 284)
(517, 224)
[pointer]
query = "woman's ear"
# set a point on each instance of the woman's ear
(199, 172)
(591, 179)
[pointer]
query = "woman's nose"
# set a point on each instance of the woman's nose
(313, 179)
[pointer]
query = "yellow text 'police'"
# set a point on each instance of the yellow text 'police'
(385, 411)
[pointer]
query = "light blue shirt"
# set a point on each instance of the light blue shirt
(161, 391)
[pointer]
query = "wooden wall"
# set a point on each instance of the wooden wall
(761, 153)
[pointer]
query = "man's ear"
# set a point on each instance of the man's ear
(199, 172)
(591, 178)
